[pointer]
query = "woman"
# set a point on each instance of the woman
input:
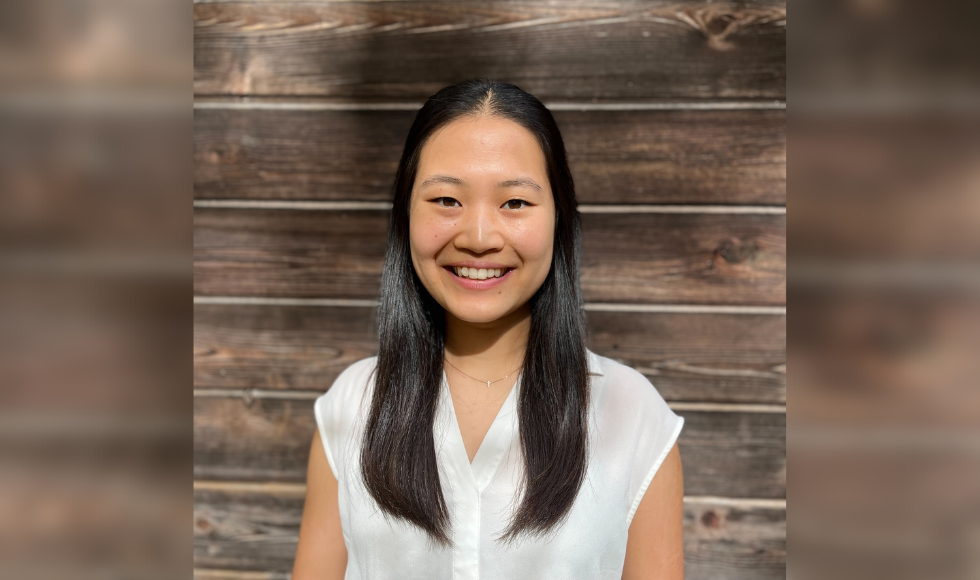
(485, 440)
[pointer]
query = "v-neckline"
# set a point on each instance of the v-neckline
(496, 442)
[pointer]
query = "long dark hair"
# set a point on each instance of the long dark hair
(398, 456)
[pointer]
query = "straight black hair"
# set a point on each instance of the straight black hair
(398, 456)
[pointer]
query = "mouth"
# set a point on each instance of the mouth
(471, 280)
(477, 273)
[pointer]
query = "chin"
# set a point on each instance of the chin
(478, 315)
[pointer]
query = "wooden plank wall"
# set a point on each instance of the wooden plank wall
(673, 114)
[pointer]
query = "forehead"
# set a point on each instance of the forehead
(482, 145)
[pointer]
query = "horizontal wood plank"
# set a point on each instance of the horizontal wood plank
(252, 533)
(731, 157)
(726, 543)
(727, 358)
(737, 259)
(733, 358)
(725, 454)
(569, 50)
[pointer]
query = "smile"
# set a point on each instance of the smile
(478, 274)
(478, 279)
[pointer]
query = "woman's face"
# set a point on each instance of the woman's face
(482, 199)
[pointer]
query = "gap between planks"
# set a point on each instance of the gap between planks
(590, 306)
(299, 490)
(248, 395)
(245, 104)
(312, 205)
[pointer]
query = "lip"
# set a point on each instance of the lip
(478, 264)
(477, 284)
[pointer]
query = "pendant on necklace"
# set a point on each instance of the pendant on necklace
(488, 384)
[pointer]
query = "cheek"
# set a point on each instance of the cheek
(535, 243)
(428, 236)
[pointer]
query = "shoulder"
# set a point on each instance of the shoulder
(350, 386)
(638, 427)
(627, 393)
(337, 412)
(620, 380)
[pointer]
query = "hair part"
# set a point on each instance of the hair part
(398, 455)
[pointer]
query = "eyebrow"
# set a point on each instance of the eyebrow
(516, 182)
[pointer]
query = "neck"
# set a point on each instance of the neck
(488, 348)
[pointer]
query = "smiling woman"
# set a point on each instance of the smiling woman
(486, 440)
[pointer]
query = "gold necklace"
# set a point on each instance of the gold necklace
(478, 380)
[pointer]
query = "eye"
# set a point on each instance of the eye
(518, 200)
(440, 200)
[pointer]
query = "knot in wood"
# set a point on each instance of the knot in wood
(710, 519)
(735, 251)
(718, 23)
(203, 525)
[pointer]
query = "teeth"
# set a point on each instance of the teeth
(478, 274)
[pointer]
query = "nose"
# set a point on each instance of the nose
(479, 229)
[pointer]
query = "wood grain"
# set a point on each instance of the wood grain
(727, 358)
(737, 259)
(572, 50)
(279, 347)
(724, 454)
(257, 532)
(736, 156)
(726, 542)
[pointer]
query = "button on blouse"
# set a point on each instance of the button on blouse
(630, 432)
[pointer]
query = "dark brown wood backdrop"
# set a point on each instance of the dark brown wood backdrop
(673, 114)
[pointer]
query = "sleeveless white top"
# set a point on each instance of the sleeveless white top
(631, 430)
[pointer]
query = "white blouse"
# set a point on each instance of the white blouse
(631, 431)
